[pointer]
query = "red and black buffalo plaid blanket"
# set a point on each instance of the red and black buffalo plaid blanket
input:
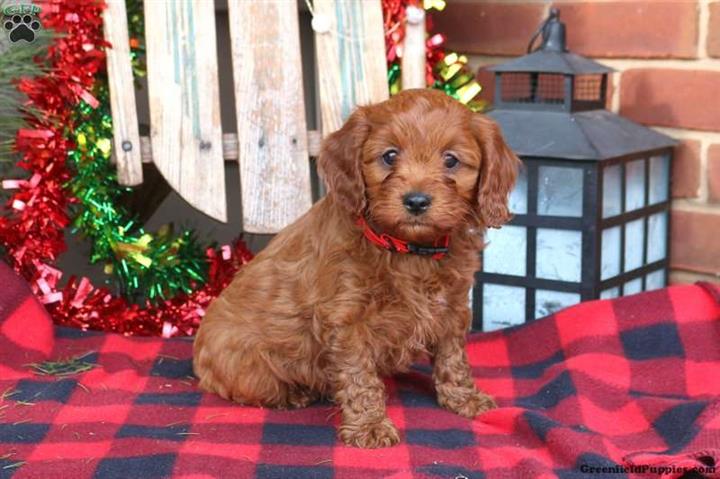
(623, 388)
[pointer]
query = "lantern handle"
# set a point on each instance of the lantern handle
(553, 33)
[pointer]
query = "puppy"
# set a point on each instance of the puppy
(375, 274)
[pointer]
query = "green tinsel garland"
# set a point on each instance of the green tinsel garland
(146, 266)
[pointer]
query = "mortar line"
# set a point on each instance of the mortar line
(688, 134)
(703, 27)
(616, 79)
(694, 206)
(704, 194)
(684, 276)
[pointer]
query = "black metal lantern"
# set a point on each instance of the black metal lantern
(592, 202)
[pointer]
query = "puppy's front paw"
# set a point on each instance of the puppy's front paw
(467, 402)
(370, 436)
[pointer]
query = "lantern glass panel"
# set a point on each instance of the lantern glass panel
(634, 185)
(503, 306)
(518, 197)
(610, 254)
(657, 237)
(506, 251)
(634, 240)
(559, 254)
(659, 176)
(560, 191)
(655, 280)
(632, 287)
(548, 302)
(610, 293)
(612, 203)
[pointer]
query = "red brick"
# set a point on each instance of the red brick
(686, 170)
(489, 28)
(695, 245)
(638, 29)
(713, 172)
(671, 97)
(713, 38)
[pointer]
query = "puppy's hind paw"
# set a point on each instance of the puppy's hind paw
(301, 397)
(465, 402)
(371, 435)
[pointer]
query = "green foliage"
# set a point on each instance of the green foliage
(17, 60)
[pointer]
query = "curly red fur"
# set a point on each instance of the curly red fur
(323, 312)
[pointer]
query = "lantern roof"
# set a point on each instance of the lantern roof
(564, 118)
(588, 135)
(550, 61)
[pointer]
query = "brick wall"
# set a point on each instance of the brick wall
(667, 57)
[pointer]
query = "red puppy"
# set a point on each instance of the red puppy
(336, 300)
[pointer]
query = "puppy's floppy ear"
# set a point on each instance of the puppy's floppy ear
(498, 171)
(340, 160)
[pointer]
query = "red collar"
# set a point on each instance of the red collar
(438, 250)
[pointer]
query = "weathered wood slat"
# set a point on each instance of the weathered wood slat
(349, 44)
(413, 59)
(274, 167)
(230, 146)
(184, 101)
(126, 142)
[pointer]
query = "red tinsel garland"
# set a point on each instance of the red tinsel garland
(32, 231)
(394, 20)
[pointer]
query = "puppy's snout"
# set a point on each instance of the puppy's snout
(416, 203)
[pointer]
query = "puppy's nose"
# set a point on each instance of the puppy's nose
(416, 203)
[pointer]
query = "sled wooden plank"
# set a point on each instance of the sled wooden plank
(272, 135)
(350, 58)
(126, 138)
(230, 146)
(413, 60)
(183, 89)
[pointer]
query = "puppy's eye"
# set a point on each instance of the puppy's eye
(450, 161)
(389, 157)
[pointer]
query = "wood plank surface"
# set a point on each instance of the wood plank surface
(184, 98)
(350, 51)
(230, 146)
(126, 138)
(272, 133)
(413, 52)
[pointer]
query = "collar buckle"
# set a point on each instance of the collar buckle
(426, 250)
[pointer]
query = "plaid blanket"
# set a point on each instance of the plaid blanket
(622, 388)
